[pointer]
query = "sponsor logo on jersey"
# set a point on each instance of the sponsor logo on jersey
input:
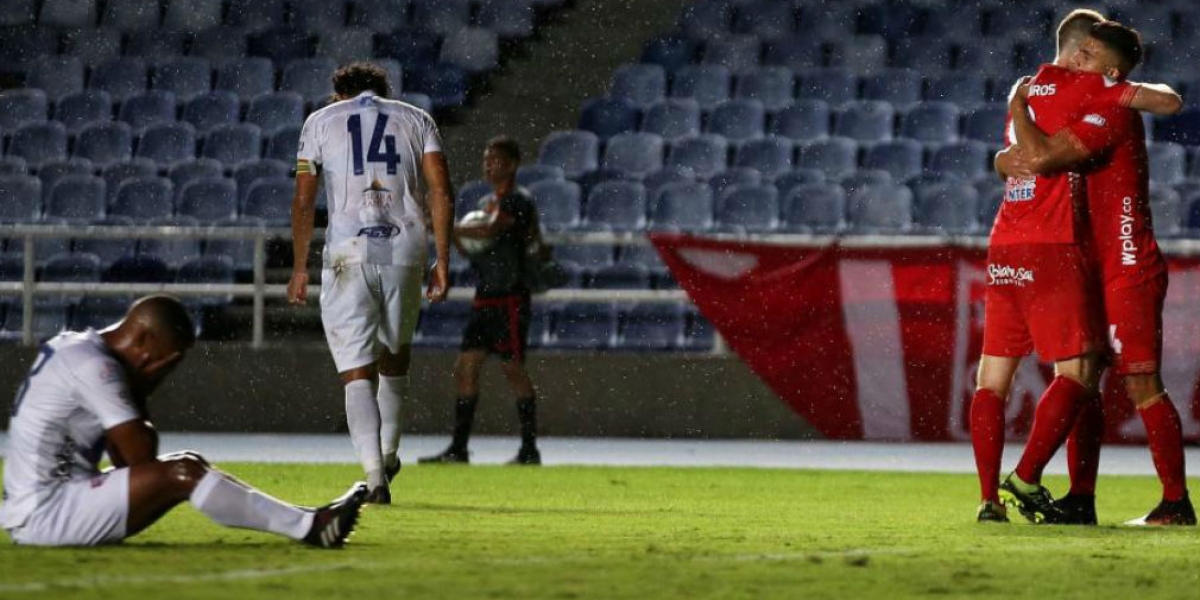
(1009, 275)
(1096, 120)
(1019, 189)
(378, 196)
(1042, 90)
(1125, 234)
(379, 232)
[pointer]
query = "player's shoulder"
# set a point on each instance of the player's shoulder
(404, 109)
(86, 354)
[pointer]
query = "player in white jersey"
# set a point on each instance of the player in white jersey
(86, 395)
(385, 178)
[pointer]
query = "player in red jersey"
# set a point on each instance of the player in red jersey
(1036, 265)
(1108, 147)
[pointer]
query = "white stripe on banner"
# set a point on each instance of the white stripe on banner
(873, 326)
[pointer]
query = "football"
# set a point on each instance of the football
(474, 246)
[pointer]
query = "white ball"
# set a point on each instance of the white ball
(475, 245)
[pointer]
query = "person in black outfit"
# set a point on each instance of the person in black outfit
(501, 310)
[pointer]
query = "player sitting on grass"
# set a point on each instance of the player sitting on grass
(86, 395)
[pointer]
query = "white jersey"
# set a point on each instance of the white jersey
(76, 389)
(369, 151)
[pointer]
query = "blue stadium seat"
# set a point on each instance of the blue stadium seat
(559, 203)
(994, 58)
(23, 44)
(834, 85)
(191, 15)
(608, 116)
(733, 51)
(1168, 162)
(1166, 209)
(682, 206)
(902, 158)
(737, 120)
(256, 14)
(733, 176)
(309, 77)
(18, 12)
(616, 205)
(277, 110)
(39, 143)
(13, 165)
(443, 17)
(68, 13)
(247, 77)
(946, 208)
(771, 156)
(880, 208)
(143, 199)
(510, 19)
(51, 313)
(642, 85)
(670, 174)
(802, 121)
(963, 88)
(208, 200)
(705, 154)
(56, 75)
(217, 269)
(890, 21)
(986, 123)
(120, 77)
(377, 15)
(418, 100)
(473, 49)
(281, 44)
(836, 157)
(51, 171)
(673, 118)
(93, 46)
(220, 44)
(270, 200)
(867, 177)
(284, 144)
(248, 173)
(148, 108)
(184, 171)
(445, 84)
(138, 268)
(23, 106)
(862, 54)
(966, 160)
(1029, 23)
(75, 111)
(650, 326)
(708, 85)
(796, 53)
(865, 121)
(931, 123)
(347, 44)
(98, 312)
(129, 15)
(241, 252)
(155, 46)
(766, 19)
(698, 333)
(900, 87)
(211, 109)
(786, 182)
(78, 199)
(575, 152)
(584, 326)
(633, 154)
(814, 208)
(20, 199)
(233, 144)
(172, 251)
(619, 277)
(772, 86)
(105, 143)
(588, 256)
(749, 208)
(186, 77)
(320, 15)
(1183, 128)
(107, 250)
(671, 52)
(411, 47)
(167, 143)
(704, 20)
(1154, 21)
(528, 175)
(442, 324)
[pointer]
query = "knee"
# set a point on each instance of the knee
(1143, 388)
(186, 469)
(395, 365)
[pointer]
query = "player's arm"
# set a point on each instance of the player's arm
(441, 212)
(131, 443)
(1156, 98)
(304, 213)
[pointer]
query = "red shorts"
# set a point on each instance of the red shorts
(1037, 301)
(1134, 318)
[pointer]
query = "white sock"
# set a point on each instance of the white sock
(393, 392)
(362, 417)
(234, 504)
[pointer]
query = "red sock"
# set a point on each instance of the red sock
(987, 437)
(1164, 432)
(1052, 422)
(1083, 447)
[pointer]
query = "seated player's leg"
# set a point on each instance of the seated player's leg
(83, 512)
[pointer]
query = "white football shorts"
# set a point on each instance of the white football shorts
(80, 512)
(366, 307)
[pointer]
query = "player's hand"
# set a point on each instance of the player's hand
(1019, 95)
(1019, 163)
(297, 289)
(439, 283)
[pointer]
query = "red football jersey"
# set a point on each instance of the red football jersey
(1041, 210)
(1118, 196)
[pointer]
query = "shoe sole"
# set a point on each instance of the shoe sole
(1015, 499)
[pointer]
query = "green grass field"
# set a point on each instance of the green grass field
(568, 532)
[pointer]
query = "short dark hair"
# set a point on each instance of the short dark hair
(1076, 26)
(506, 146)
(356, 78)
(167, 317)
(1125, 41)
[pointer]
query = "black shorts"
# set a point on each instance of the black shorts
(498, 326)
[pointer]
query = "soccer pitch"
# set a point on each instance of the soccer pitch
(621, 532)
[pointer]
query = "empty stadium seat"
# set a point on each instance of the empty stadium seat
(704, 155)
(167, 143)
(148, 108)
(633, 154)
(271, 201)
(642, 85)
(587, 256)
(772, 86)
(748, 208)
(248, 77)
(900, 87)
(470, 195)
(814, 208)
(20, 199)
(143, 199)
(673, 118)
(966, 159)
(220, 44)
(211, 109)
(377, 15)
(68, 13)
(835, 157)
(191, 15)
(1167, 162)
(185, 171)
(138, 268)
(880, 208)
(650, 326)
(575, 152)
(616, 205)
(931, 123)
(186, 77)
(558, 202)
(802, 121)
(986, 123)
(865, 121)
(703, 20)
(274, 111)
(284, 144)
(309, 77)
(248, 173)
(74, 111)
(120, 77)
(56, 75)
(796, 53)
(217, 269)
(155, 45)
(208, 200)
(833, 85)
(619, 277)
(731, 177)
(441, 16)
(129, 15)
(107, 250)
(411, 47)
(528, 175)
(444, 83)
(22, 107)
(38, 143)
(995, 58)
(766, 19)
(708, 85)
(23, 44)
(671, 52)
(256, 14)
(172, 251)
(950, 208)
(233, 144)
(965, 89)
(733, 51)
(682, 206)
(862, 54)
(13, 165)
(78, 199)
(105, 143)
(51, 171)
(771, 156)
(608, 116)
(901, 158)
(737, 120)
(583, 325)
(473, 49)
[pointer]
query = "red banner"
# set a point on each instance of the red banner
(883, 343)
